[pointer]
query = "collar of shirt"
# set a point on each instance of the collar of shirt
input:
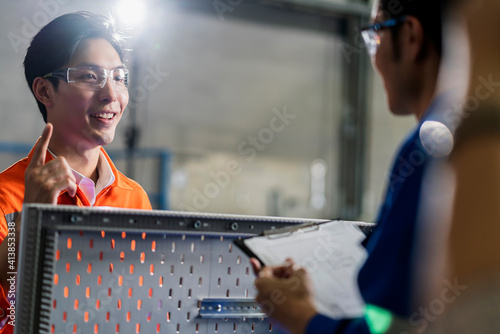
(87, 186)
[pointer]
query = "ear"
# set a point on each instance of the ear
(44, 91)
(414, 38)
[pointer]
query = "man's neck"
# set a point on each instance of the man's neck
(84, 161)
(424, 96)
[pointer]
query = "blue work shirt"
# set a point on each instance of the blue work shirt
(386, 278)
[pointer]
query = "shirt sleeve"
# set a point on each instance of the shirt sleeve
(321, 324)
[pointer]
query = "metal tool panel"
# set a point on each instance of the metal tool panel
(129, 271)
(119, 282)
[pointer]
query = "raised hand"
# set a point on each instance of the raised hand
(45, 181)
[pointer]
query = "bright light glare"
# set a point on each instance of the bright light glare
(131, 12)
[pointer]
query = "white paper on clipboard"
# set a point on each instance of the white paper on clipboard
(331, 252)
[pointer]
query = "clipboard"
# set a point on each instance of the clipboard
(332, 253)
(277, 233)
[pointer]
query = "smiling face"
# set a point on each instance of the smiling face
(84, 118)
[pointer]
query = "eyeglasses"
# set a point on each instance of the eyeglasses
(92, 77)
(371, 35)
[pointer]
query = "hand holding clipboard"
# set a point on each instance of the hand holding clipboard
(331, 252)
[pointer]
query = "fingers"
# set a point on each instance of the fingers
(267, 272)
(71, 188)
(42, 145)
(63, 177)
(270, 276)
(279, 271)
(284, 271)
(256, 266)
(268, 279)
(43, 184)
(289, 268)
(296, 284)
(65, 184)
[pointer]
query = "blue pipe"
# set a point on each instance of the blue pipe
(15, 148)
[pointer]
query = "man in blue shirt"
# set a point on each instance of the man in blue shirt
(405, 43)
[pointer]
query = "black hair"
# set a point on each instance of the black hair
(428, 12)
(54, 45)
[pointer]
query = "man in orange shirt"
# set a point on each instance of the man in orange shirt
(74, 68)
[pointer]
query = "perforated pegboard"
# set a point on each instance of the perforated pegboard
(126, 271)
